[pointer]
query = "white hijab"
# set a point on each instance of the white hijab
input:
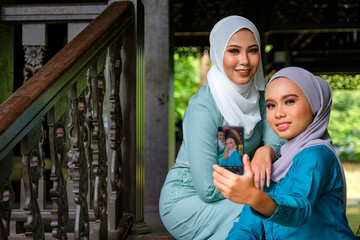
(239, 104)
(221, 144)
(319, 95)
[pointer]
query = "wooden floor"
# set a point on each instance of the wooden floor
(152, 218)
(159, 232)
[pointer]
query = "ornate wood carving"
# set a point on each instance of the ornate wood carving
(59, 213)
(6, 200)
(85, 109)
(115, 131)
(78, 168)
(35, 171)
(98, 151)
(34, 228)
(41, 148)
(34, 59)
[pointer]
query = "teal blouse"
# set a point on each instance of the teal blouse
(310, 205)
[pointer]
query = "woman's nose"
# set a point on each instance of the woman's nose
(243, 59)
(279, 113)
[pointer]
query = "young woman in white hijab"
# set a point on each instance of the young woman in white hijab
(190, 205)
(306, 198)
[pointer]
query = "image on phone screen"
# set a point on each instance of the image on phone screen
(231, 148)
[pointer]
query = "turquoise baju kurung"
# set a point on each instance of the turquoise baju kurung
(190, 205)
(232, 160)
(310, 205)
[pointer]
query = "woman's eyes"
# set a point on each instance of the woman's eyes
(269, 106)
(236, 51)
(254, 50)
(289, 101)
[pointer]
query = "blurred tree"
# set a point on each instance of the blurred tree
(187, 77)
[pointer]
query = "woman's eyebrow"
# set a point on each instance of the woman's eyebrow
(234, 45)
(283, 97)
(290, 95)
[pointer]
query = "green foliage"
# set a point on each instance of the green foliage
(344, 125)
(338, 82)
(187, 77)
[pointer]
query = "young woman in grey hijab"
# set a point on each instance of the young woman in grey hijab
(307, 195)
(190, 206)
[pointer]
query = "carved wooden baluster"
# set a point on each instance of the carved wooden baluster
(87, 112)
(41, 147)
(115, 134)
(34, 59)
(34, 228)
(78, 168)
(59, 213)
(98, 150)
(6, 200)
(35, 171)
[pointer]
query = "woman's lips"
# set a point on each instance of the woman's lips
(243, 72)
(282, 126)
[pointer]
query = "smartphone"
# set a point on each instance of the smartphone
(231, 148)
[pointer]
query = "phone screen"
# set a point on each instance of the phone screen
(231, 148)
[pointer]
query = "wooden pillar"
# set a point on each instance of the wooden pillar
(132, 98)
(159, 107)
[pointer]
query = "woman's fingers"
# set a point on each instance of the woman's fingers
(246, 162)
(256, 176)
(268, 174)
(220, 180)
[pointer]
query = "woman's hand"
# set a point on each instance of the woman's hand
(241, 189)
(237, 188)
(225, 154)
(261, 166)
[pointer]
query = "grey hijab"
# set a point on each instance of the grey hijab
(319, 95)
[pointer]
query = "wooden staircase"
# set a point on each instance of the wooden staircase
(104, 161)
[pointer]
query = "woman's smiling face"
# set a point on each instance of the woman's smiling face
(242, 57)
(288, 110)
(229, 144)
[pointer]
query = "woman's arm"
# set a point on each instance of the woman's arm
(315, 172)
(242, 190)
(248, 227)
(225, 154)
(200, 138)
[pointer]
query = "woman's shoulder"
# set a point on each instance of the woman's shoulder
(203, 95)
(203, 99)
(203, 109)
(321, 150)
(318, 155)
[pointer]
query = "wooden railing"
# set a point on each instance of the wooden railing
(63, 105)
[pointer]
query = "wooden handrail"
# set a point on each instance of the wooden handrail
(20, 112)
